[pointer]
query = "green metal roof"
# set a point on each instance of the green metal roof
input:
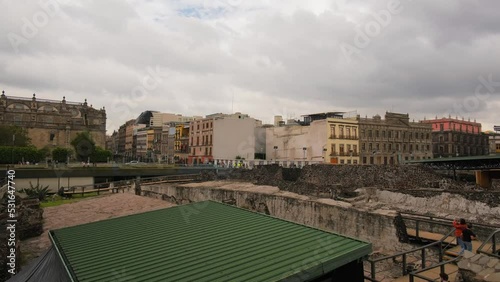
(206, 241)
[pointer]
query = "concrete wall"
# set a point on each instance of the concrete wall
(54, 183)
(376, 227)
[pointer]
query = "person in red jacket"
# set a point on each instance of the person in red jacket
(460, 226)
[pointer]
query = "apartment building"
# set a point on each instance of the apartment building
(453, 137)
(394, 139)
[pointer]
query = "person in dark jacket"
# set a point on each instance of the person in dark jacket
(467, 237)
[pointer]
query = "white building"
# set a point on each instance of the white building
(295, 142)
(235, 136)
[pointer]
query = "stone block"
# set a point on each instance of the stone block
(483, 261)
(492, 262)
(468, 254)
(476, 268)
(485, 272)
(474, 257)
(464, 264)
(494, 277)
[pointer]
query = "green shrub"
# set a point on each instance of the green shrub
(36, 192)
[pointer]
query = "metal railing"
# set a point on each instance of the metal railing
(494, 251)
(404, 255)
(440, 265)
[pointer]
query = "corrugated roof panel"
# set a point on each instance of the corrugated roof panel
(206, 241)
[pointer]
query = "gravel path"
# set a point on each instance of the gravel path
(87, 210)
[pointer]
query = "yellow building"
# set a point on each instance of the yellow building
(343, 140)
(181, 145)
(342, 136)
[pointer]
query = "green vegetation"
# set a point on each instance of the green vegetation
(57, 200)
(61, 154)
(9, 154)
(86, 149)
(11, 135)
(36, 192)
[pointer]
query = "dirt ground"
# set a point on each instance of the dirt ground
(85, 211)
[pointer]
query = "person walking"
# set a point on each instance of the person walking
(460, 226)
(467, 237)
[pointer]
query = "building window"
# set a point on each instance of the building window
(354, 132)
(341, 161)
(377, 146)
(341, 148)
(52, 136)
(376, 133)
(383, 134)
(369, 133)
(363, 147)
(370, 146)
(332, 131)
(364, 160)
(355, 148)
(390, 133)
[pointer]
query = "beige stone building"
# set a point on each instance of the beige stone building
(53, 123)
(394, 139)
(343, 139)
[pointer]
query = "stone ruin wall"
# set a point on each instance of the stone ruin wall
(381, 227)
(343, 181)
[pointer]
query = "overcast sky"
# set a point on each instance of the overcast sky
(261, 57)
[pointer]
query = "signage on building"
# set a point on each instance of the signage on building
(496, 127)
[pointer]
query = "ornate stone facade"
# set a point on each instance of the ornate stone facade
(394, 139)
(53, 123)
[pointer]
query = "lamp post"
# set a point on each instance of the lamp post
(13, 144)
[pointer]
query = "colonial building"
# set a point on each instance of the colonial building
(53, 123)
(181, 146)
(452, 137)
(394, 139)
(342, 143)
(494, 142)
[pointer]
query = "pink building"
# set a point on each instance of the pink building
(451, 124)
(455, 138)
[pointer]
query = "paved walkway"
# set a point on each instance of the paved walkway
(85, 211)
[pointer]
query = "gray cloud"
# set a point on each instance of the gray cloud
(273, 58)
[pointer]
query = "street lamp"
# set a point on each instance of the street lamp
(13, 144)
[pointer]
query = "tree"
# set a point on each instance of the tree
(61, 154)
(84, 145)
(100, 155)
(11, 135)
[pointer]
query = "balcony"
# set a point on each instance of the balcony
(342, 136)
(344, 154)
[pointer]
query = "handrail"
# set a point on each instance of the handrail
(493, 245)
(441, 265)
(444, 219)
(403, 254)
